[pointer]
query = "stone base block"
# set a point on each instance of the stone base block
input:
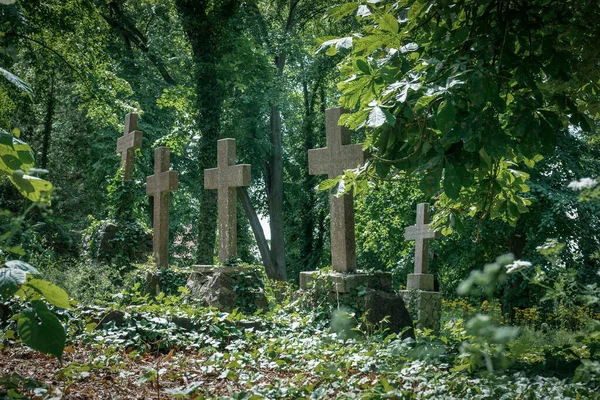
(379, 299)
(425, 307)
(222, 287)
(345, 282)
(420, 282)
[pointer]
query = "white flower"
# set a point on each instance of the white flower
(583, 183)
(517, 265)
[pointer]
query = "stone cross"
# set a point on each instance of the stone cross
(421, 233)
(126, 144)
(332, 160)
(225, 178)
(159, 185)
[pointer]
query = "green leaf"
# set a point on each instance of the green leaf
(329, 183)
(445, 116)
(41, 330)
(363, 66)
(22, 265)
(15, 80)
(388, 23)
(376, 117)
(452, 183)
(33, 188)
(10, 280)
(343, 10)
(52, 293)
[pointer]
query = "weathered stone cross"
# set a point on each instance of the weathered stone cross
(332, 160)
(421, 233)
(159, 185)
(225, 178)
(126, 144)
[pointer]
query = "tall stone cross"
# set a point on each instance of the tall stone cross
(421, 233)
(332, 160)
(126, 144)
(159, 185)
(225, 178)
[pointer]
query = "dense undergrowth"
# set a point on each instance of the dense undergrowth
(170, 346)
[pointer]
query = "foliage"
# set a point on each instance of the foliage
(16, 164)
(462, 96)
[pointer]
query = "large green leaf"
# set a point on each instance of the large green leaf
(10, 280)
(15, 80)
(376, 117)
(445, 117)
(52, 293)
(35, 189)
(41, 330)
(22, 265)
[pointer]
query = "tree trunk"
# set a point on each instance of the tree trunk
(48, 125)
(275, 184)
(207, 28)
(259, 235)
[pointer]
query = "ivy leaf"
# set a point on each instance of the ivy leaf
(41, 330)
(52, 293)
(445, 116)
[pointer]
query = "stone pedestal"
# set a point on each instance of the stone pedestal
(420, 282)
(378, 298)
(227, 288)
(425, 307)
(345, 282)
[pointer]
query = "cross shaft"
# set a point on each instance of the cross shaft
(332, 160)
(126, 144)
(225, 178)
(160, 185)
(421, 234)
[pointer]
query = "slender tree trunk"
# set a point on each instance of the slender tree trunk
(259, 235)
(48, 125)
(275, 184)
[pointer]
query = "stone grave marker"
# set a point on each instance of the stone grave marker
(225, 178)
(420, 298)
(332, 160)
(160, 185)
(421, 234)
(221, 286)
(379, 298)
(126, 144)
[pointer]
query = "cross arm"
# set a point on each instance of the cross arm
(211, 178)
(318, 161)
(238, 175)
(131, 140)
(420, 232)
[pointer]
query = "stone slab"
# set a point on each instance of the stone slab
(420, 282)
(221, 286)
(345, 282)
(425, 307)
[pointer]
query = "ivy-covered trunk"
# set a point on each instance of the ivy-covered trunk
(207, 28)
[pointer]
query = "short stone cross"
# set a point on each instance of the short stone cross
(421, 233)
(159, 185)
(332, 160)
(225, 178)
(126, 144)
